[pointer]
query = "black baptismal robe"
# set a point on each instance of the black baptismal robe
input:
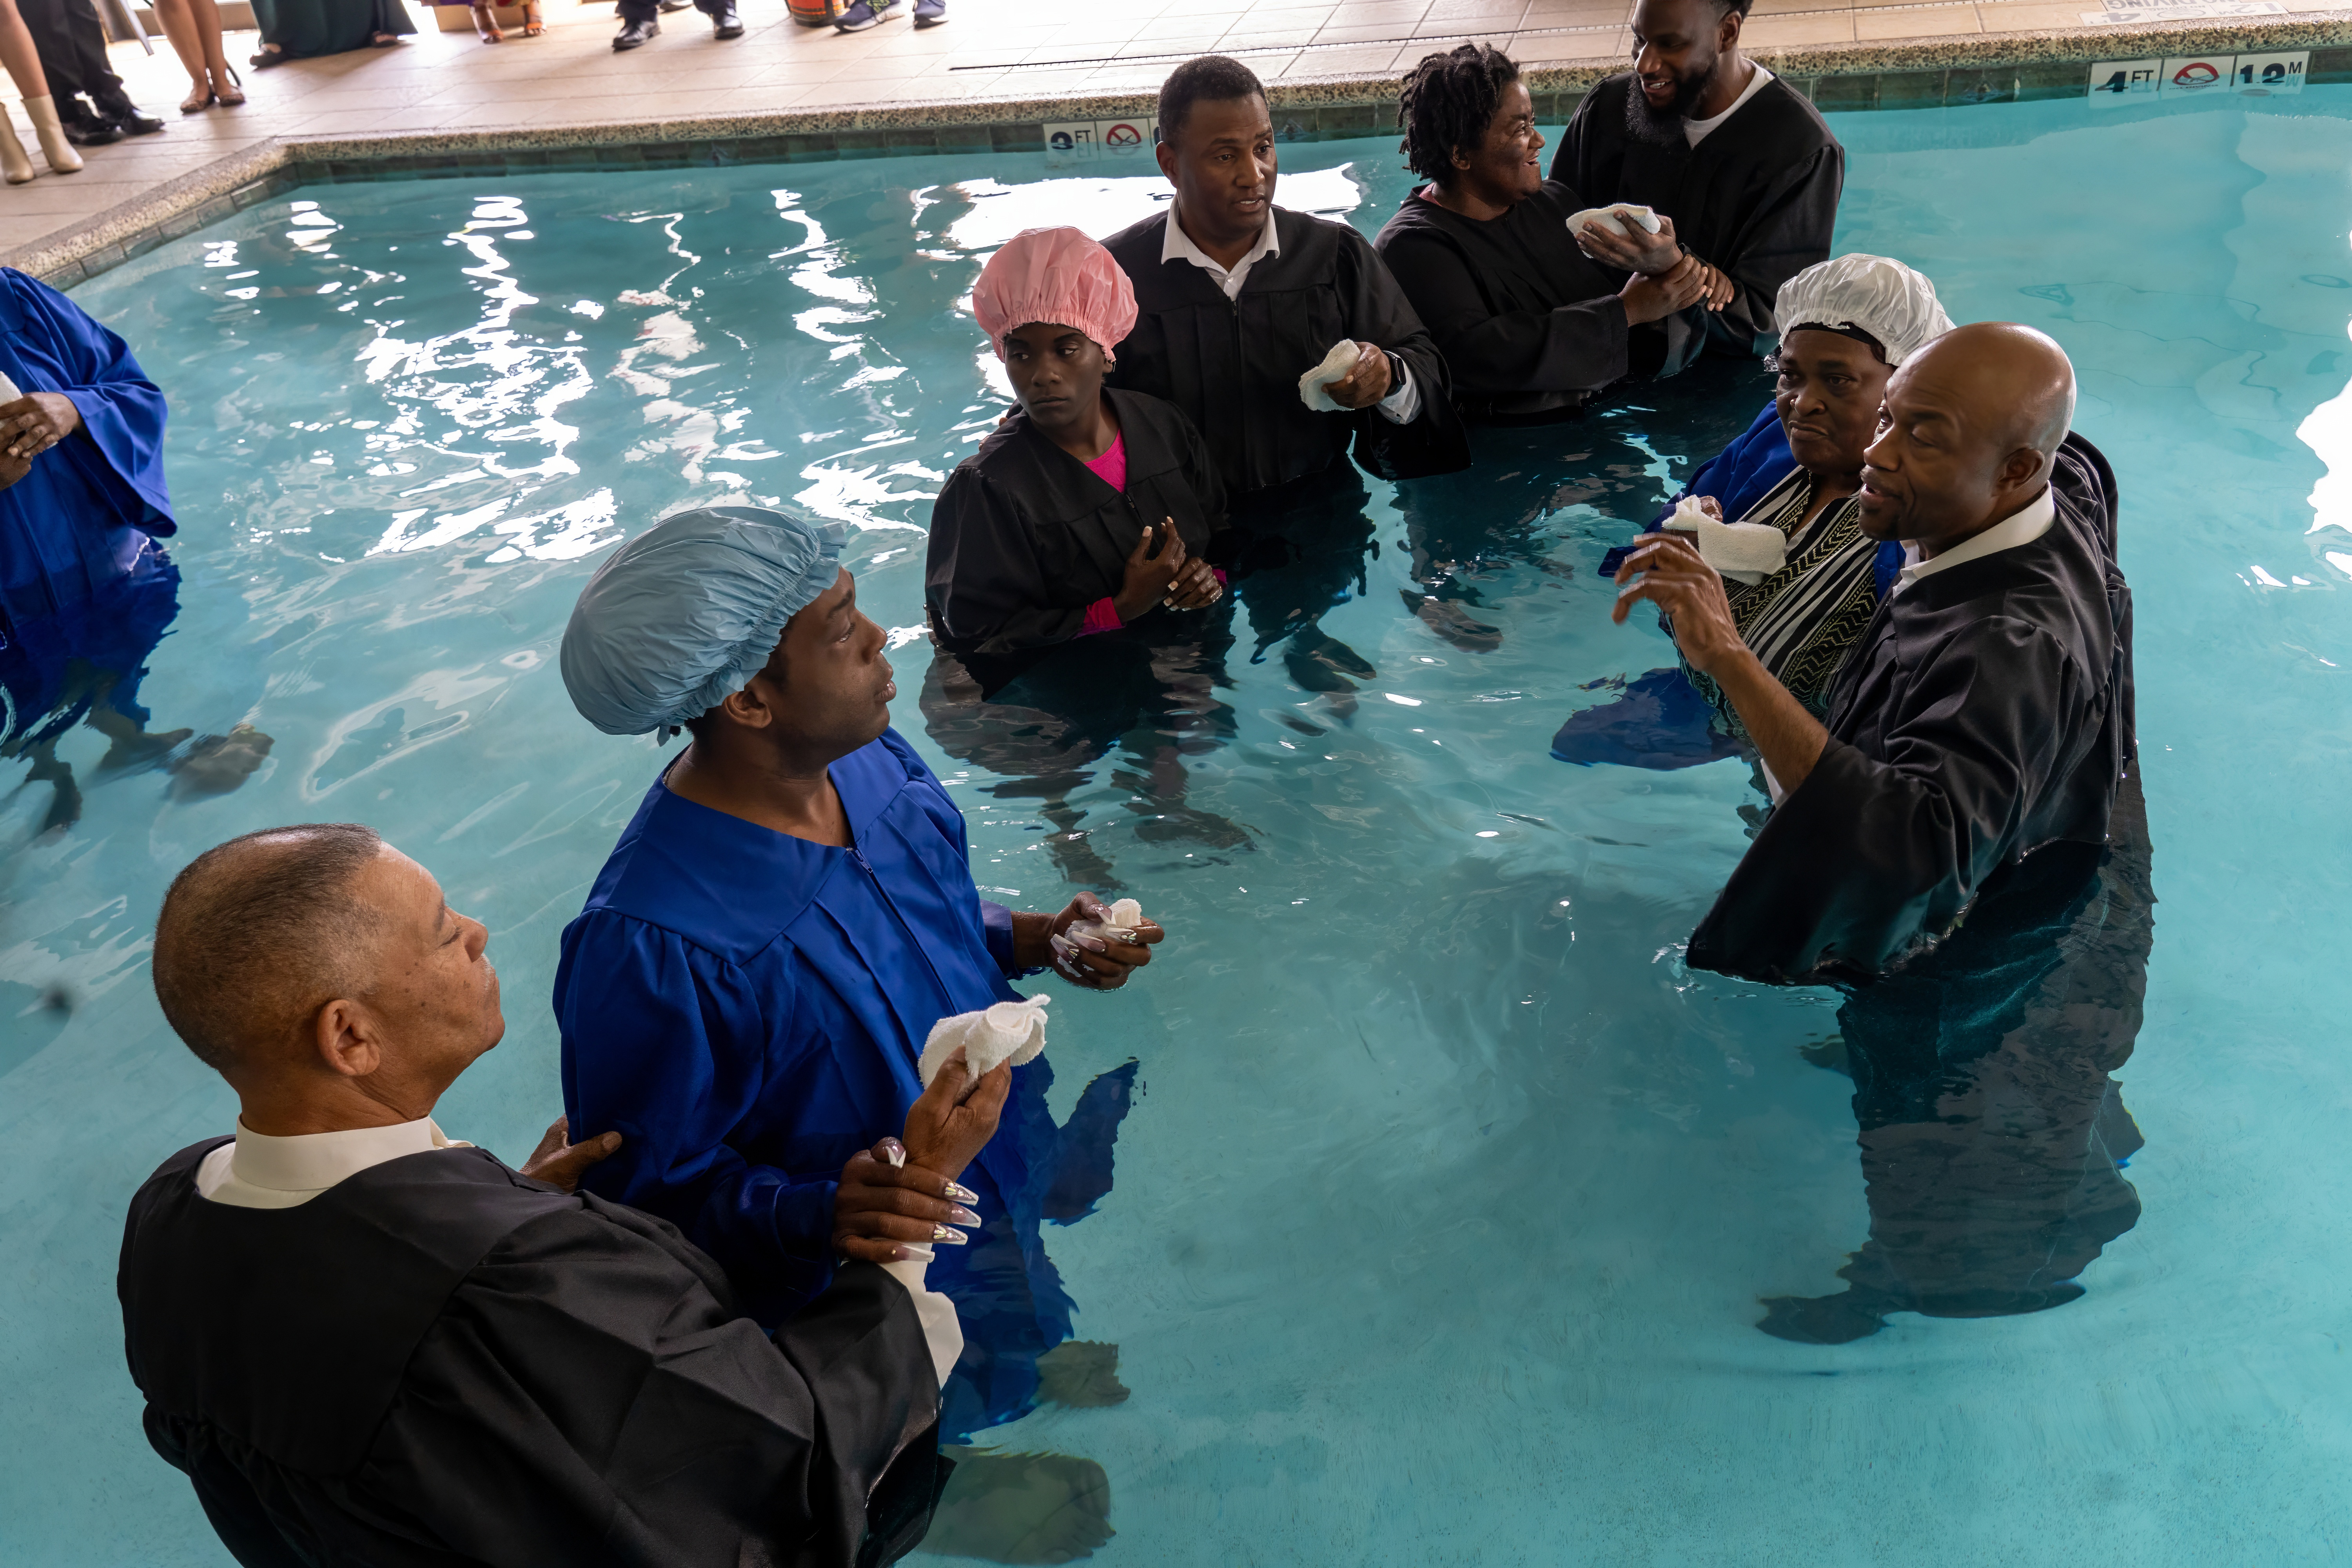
(1233, 365)
(439, 1361)
(1025, 537)
(1757, 198)
(1986, 714)
(1528, 324)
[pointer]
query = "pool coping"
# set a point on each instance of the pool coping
(1914, 73)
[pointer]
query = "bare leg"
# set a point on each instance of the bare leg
(208, 32)
(16, 53)
(180, 26)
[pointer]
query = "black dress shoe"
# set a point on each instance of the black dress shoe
(727, 24)
(633, 34)
(118, 107)
(87, 132)
(670, 5)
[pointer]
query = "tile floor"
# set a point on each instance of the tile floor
(991, 49)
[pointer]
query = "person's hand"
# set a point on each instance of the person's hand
(1640, 251)
(1666, 569)
(1653, 297)
(1721, 289)
(1196, 588)
(883, 1206)
(13, 469)
(1367, 384)
(1082, 958)
(955, 1118)
(559, 1163)
(1149, 577)
(36, 422)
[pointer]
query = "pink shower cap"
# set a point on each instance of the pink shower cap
(1057, 275)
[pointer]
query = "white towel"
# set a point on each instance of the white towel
(1008, 1031)
(1337, 363)
(1610, 217)
(1743, 552)
(8, 392)
(1125, 916)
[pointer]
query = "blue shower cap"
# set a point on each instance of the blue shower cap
(684, 614)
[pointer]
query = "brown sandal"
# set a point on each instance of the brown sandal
(487, 25)
(534, 25)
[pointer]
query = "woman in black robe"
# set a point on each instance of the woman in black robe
(1529, 326)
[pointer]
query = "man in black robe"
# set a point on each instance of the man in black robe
(367, 1343)
(1986, 712)
(1529, 325)
(1747, 169)
(1237, 299)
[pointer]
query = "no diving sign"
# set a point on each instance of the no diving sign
(1102, 140)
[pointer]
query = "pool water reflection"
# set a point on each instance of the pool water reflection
(1446, 1198)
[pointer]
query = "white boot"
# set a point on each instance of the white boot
(13, 164)
(43, 113)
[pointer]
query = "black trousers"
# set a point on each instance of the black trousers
(72, 46)
(646, 10)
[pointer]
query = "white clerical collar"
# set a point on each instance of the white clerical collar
(1178, 247)
(2020, 526)
(260, 1171)
(1695, 130)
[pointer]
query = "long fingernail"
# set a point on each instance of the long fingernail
(902, 1254)
(894, 1152)
(949, 1236)
(961, 1215)
(1091, 945)
(963, 1194)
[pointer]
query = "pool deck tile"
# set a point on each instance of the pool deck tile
(443, 103)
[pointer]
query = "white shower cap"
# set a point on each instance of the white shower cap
(1878, 295)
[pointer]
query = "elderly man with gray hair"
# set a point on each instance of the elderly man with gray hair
(365, 1342)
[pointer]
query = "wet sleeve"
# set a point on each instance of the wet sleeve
(122, 412)
(669, 1045)
(1574, 348)
(1377, 313)
(1866, 856)
(986, 589)
(588, 1395)
(1789, 232)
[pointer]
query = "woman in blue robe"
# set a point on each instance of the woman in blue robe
(92, 425)
(746, 1006)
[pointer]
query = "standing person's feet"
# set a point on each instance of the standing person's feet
(84, 129)
(199, 99)
(115, 105)
(865, 14)
(930, 13)
(266, 55)
(229, 94)
(485, 23)
(726, 24)
(670, 6)
(636, 33)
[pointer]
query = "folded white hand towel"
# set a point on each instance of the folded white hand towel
(1614, 217)
(1743, 552)
(8, 392)
(1125, 916)
(1337, 363)
(1008, 1031)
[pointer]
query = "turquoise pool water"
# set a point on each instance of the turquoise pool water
(1443, 1211)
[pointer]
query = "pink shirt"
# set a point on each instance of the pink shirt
(1102, 615)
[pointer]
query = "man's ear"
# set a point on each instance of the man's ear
(1165, 155)
(347, 1038)
(747, 708)
(2022, 470)
(1726, 31)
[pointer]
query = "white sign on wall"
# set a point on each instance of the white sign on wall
(1124, 142)
(2115, 82)
(2187, 76)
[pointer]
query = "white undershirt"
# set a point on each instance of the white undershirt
(2022, 527)
(258, 1172)
(1696, 130)
(1400, 406)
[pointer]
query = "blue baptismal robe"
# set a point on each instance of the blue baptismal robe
(747, 1009)
(78, 520)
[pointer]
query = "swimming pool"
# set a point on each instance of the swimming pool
(1448, 1194)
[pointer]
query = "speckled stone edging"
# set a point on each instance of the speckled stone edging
(1924, 73)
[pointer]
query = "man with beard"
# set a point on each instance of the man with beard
(1744, 167)
(1236, 300)
(1986, 714)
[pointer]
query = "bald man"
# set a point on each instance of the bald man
(365, 1343)
(1988, 709)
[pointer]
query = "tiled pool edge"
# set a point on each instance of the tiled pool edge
(1927, 73)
